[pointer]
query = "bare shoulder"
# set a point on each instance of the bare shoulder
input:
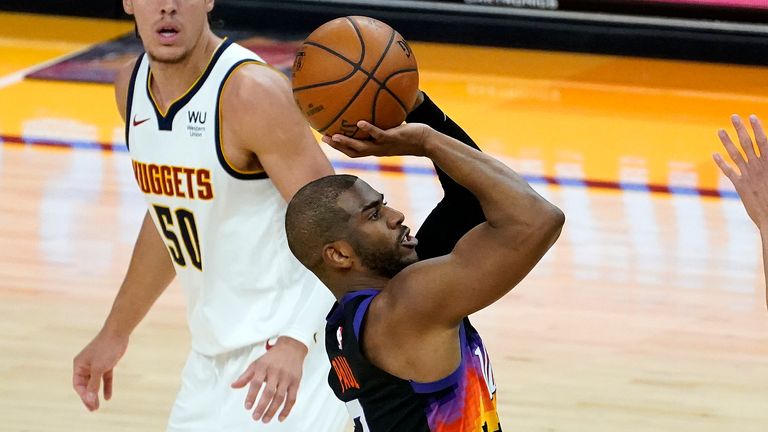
(259, 87)
(122, 81)
(257, 101)
(424, 353)
(405, 304)
(393, 309)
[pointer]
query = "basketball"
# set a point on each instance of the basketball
(354, 68)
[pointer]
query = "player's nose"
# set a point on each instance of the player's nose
(395, 218)
(168, 6)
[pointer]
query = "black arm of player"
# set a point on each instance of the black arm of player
(459, 211)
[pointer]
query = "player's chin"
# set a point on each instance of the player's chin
(408, 256)
(167, 54)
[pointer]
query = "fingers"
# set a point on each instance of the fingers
(272, 392)
(744, 138)
(733, 152)
(244, 379)
(267, 393)
(370, 129)
(760, 138)
(351, 143)
(108, 385)
(256, 382)
(80, 381)
(289, 402)
(725, 168)
(92, 390)
(350, 147)
(276, 401)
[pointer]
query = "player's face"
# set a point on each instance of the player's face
(170, 29)
(381, 241)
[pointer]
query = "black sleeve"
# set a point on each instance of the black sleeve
(459, 211)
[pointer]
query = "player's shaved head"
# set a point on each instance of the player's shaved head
(314, 218)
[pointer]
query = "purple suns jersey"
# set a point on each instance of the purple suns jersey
(464, 401)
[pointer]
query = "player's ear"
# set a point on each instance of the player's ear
(128, 6)
(209, 5)
(338, 255)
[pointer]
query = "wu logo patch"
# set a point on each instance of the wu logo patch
(197, 117)
(196, 121)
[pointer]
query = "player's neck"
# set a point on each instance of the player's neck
(361, 282)
(172, 80)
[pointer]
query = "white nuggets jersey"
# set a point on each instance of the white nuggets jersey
(224, 228)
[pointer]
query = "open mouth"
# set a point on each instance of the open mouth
(406, 240)
(168, 32)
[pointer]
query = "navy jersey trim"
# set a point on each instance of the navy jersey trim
(360, 314)
(129, 99)
(450, 380)
(231, 170)
(357, 324)
(165, 122)
(337, 311)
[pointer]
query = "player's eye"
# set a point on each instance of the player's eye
(374, 215)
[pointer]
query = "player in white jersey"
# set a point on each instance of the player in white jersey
(218, 147)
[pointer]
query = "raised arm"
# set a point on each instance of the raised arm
(489, 260)
(751, 179)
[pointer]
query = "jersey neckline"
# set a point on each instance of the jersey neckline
(165, 119)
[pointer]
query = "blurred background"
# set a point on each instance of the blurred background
(648, 315)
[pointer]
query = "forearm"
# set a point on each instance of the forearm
(458, 211)
(506, 198)
(764, 236)
(309, 317)
(430, 114)
(149, 274)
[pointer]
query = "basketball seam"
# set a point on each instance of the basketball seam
(359, 38)
(356, 68)
(384, 87)
(362, 87)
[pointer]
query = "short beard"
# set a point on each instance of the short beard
(169, 61)
(382, 262)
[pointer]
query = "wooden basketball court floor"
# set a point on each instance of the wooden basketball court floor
(648, 315)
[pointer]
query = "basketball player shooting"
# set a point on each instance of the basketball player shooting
(404, 355)
(218, 147)
(751, 179)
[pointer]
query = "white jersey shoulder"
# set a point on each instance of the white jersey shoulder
(224, 228)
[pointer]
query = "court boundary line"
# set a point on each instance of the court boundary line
(33, 142)
(18, 76)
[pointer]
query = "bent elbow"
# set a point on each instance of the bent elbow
(552, 220)
(557, 216)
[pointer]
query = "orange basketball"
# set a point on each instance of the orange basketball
(354, 68)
